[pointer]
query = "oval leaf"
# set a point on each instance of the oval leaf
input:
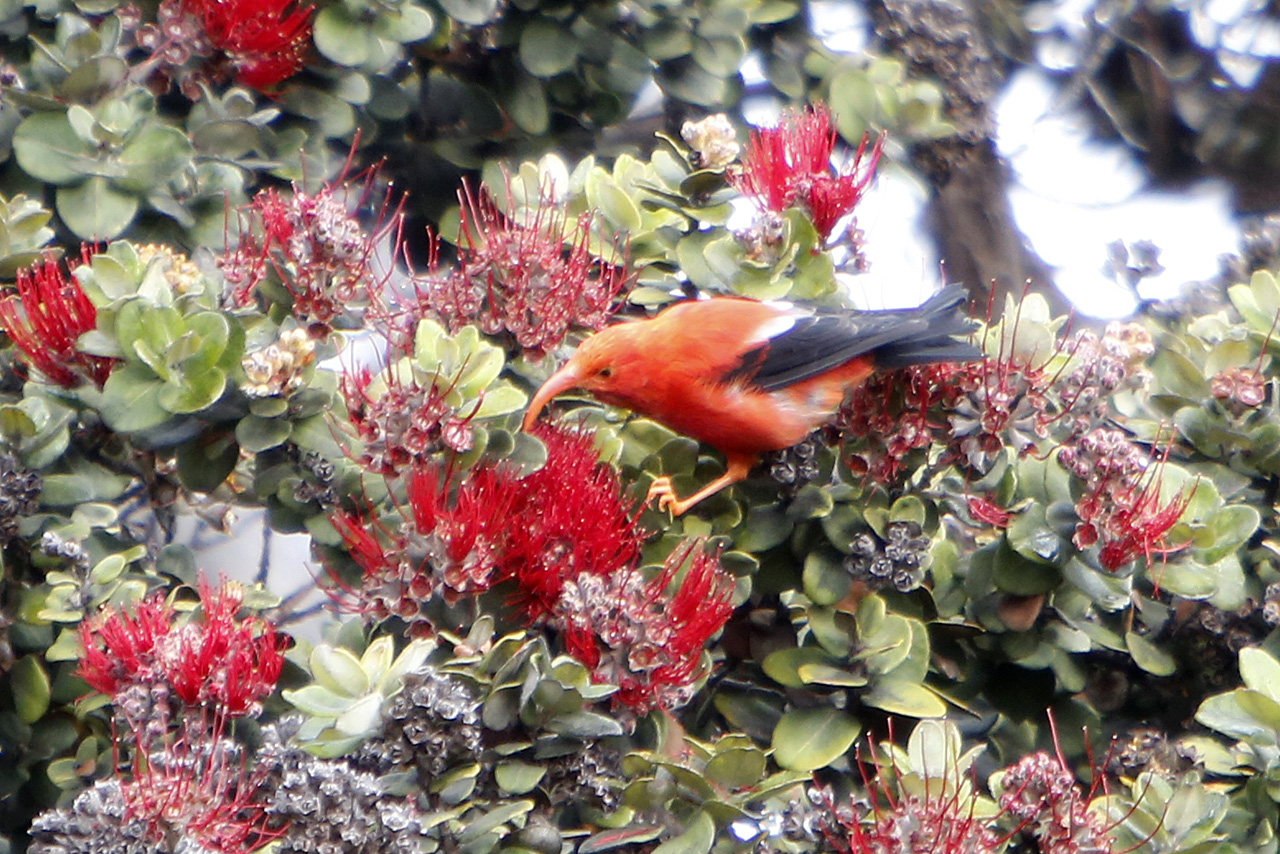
(808, 739)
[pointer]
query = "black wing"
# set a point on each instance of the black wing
(821, 341)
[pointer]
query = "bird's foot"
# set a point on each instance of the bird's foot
(664, 494)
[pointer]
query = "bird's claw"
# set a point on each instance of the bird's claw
(664, 493)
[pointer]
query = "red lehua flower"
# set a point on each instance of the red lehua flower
(128, 653)
(224, 663)
(317, 249)
(403, 424)
(536, 532)
(46, 316)
(572, 520)
(527, 275)
(265, 40)
(472, 530)
(1143, 528)
(228, 663)
(790, 164)
(1042, 794)
(1121, 507)
(642, 636)
(938, 814)
(201, 788)
(449, 546)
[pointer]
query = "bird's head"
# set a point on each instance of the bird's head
(597, 367)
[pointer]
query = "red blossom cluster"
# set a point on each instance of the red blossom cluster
(565, 518)
(315, 247)
(1040, 797)
(526, 274)
(46, 315)
(940, 818)
(265, 41)
(937, 823)
(201, 789)
(979, 410)
(1239, 390)
(186, 780)
(564, 541)
(641, 636)
(261, 42)
(1040, 792)
(790, 165)
(403, 423)
(222, 662)
(897, 415)
(1120, 509)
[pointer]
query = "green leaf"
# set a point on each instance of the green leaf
(1261, 708)
(48, 148)
(1260, 671)
(318, 701)
(618, 207)
(765, 527)
(826, 581)
(826, 674)
(753, 713)
(696, 839)
(783, 665)
(584, 724)
(206, 461)
(339, 670)
(1021, 576)
(341, 37)
(1232, 527)
(152, 157)
(473, 13)
(1225, 714)
(719, 56)
(413, 23)
(901, 697)
(811, 502)
(1150, 657)
(688, 81)
(108, 569)
(548, 48)
(363, 717)
(500, 400)
(210, 334)
(95, 210)
(492, 820)
(31, 688)
(193, 393)
(667, 39)
(606, 840)
(526, 102)
(86, 482)
(1188, 579)
(1031, 536)
(517, 778)
(256, 434)
(737, 768)
(809, 739)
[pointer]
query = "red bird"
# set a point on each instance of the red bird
(747, 377)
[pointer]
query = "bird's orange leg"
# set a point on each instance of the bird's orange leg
(737, 469)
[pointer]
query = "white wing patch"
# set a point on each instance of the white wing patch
(773, 327)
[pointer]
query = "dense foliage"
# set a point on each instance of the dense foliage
(1022, 603)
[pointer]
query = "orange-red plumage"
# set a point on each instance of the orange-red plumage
(747, 377)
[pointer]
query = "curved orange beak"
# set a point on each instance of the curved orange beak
(558, 383)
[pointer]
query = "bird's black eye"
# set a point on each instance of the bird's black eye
(606, 372)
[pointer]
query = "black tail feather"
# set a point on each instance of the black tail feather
(944, 320)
